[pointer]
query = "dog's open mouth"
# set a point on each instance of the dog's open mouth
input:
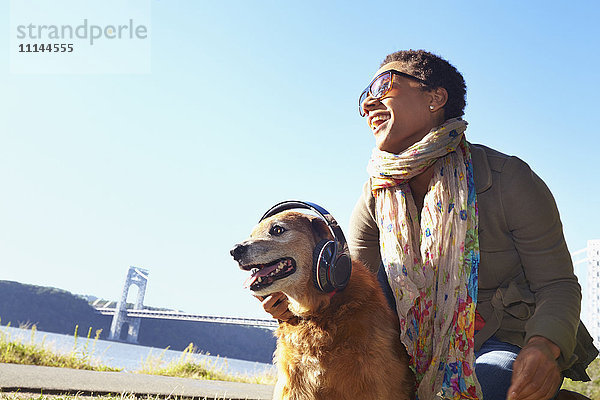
(264, 275)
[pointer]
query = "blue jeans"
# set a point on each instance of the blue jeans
(493, 368)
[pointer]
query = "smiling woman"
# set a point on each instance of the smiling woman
(467, 243)
(470, 242)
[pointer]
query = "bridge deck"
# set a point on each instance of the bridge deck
(175, 315)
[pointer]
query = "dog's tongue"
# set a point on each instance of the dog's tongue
(261, 272)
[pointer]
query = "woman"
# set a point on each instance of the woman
(469, 238)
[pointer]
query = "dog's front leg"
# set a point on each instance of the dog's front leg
(279, 387)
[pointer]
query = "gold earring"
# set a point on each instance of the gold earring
(431, 108)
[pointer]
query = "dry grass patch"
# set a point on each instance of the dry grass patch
(18, 351)
(187, 366)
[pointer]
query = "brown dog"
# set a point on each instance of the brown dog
(341, 346)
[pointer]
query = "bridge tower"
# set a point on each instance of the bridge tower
(135, 277)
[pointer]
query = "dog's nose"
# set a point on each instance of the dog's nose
(238, 251)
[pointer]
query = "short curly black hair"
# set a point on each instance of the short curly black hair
(436, 72)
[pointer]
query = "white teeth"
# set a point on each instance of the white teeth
(280, 267)
(379, 118)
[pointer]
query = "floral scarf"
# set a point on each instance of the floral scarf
(432, 260)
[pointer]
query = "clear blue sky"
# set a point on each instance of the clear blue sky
(251, 103)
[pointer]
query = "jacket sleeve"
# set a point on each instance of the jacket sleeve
(534, 222)
(363, 234)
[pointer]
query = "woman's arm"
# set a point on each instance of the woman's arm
(534, 222)
(550, 334)
(363, 234)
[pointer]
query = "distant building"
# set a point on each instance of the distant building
(593, 284)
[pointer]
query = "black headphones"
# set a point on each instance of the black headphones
(331, 259)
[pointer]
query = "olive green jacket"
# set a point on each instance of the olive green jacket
(526, 282)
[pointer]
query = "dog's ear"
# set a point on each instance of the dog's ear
(320, 229)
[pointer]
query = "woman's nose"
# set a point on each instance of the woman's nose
(369, 104)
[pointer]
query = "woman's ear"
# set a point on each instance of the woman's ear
(439, 98)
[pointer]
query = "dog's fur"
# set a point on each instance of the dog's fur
(342, 347)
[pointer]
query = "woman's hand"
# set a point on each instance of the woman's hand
(535, 372)
(276, 304)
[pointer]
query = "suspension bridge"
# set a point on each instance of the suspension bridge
(181, 316)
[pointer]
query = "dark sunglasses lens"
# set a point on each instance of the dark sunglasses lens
(378, 88)
(361, 99)
(381, 85)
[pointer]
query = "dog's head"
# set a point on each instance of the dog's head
(279, 253)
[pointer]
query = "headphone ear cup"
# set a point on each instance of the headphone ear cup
(340, 272)
(322, 261)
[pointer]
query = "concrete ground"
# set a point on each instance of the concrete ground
(50, 380)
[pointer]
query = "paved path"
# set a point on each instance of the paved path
(31, 378)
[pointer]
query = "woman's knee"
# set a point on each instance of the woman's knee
(494, 373)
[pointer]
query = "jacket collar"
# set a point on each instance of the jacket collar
(482, 175)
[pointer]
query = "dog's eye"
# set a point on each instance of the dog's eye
(276, 230)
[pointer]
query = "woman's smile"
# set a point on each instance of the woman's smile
(377, 121)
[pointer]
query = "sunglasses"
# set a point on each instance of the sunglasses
(380, 86)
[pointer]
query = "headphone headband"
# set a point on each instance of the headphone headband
(332, 224)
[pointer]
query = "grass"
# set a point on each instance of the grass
(590, 389)
(188, 367)
(18, 351)
(32, 396)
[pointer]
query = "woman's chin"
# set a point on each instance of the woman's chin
(383, 144)
(381, 140)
